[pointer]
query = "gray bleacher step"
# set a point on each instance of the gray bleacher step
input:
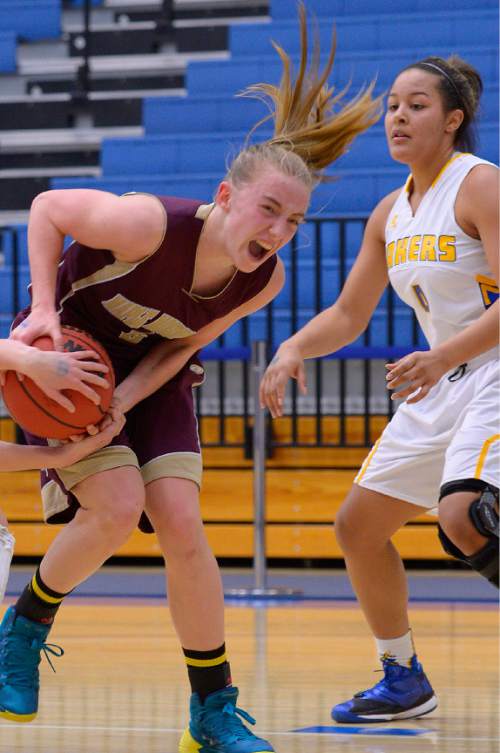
(13, 217)
(183, 5)
(63, 139)
(116, 64)
(44, 172)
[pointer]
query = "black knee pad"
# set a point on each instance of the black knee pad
(484, 517)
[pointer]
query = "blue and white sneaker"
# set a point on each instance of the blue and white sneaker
(21, 644)
(216, 727)
(403, 693)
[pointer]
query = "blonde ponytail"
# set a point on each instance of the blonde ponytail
(307, 130)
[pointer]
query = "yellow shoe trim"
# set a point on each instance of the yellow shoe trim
(17, 717)
(188, 744)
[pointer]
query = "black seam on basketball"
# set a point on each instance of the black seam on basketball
(49, 415)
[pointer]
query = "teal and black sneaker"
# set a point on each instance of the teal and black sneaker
(21, 644)
(403, 693)
(216, 727)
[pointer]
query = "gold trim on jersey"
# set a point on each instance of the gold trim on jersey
(186, 465)
(453, 157)
(117, 268)
(204, 210)
(202, 213)
(482, 455)
(446, 166)
(110, 272)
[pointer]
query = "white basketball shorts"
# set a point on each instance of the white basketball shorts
(450, 435)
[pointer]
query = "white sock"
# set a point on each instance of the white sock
(399, 650)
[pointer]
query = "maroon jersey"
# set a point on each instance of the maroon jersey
(129, 307)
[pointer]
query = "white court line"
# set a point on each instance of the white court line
(163, 730)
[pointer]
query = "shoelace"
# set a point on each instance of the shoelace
(389, 669)
(22, 665)
(229, 728)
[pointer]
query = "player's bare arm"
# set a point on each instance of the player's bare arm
(54, 371)
(15, 457)
(339, 324)
(164, 361)
(132, 227)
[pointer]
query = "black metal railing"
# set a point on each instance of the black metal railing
(341, 386)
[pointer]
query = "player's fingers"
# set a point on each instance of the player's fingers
(301, 379)
(92, 366)
(85, 355)
(85, 390)
(61, 399)
(406, 376)
(276, 397)
(90, 378)
(92, 429)
(424, 390)
(56, 335)
(409, 390)
(77, 438)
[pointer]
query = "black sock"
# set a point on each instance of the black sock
(208, 671)
(38, 602)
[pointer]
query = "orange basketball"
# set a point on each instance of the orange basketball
(38, 414)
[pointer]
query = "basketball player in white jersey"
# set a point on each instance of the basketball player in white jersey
(436, 241)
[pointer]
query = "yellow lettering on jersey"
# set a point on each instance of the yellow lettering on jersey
(168, 327)
(428, 248)
(389, 253)
(130, 313)
(401, 247)
(447, 250)
(414, 247)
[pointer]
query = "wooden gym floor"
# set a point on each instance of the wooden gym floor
(121, 686)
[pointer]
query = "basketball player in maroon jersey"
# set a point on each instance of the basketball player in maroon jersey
(155, 279)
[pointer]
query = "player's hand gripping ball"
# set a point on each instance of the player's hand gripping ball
(38, 414)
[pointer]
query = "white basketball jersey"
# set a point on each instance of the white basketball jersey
(434, 266)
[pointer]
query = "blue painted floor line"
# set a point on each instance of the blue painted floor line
(353, 730)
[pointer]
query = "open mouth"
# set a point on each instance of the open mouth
(256, 250)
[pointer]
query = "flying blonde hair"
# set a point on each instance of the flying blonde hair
(308, 134)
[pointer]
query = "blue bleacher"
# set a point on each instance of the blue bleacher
(31, 19)
(281, 9)
(7, 52)
(355, 191)
(222, 113)
(454, 29)
(360, 68)
(186, 153)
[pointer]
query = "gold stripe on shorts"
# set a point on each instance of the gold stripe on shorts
(367, 462)
(482, 455)
(186, 465)
(106, 459)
